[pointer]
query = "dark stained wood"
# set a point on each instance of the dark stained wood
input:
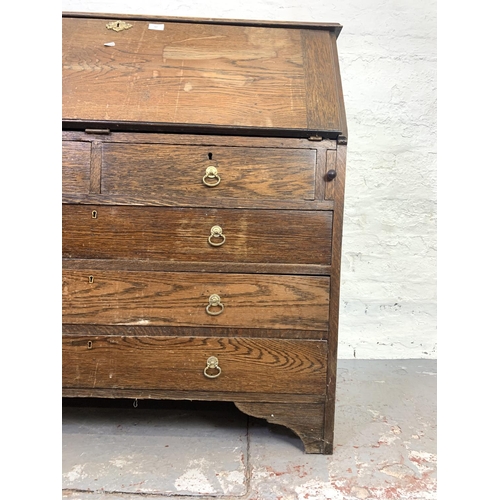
(319, 80)
(331, 164)
(334, 27)
(306, 420)
(263, 102)
(182, 200)
(174, 363)
(178, 139)
(180, 299)
(95, 167)
(338, 93)
(182, 331)
(159, 393)
(331, 384)
(160, 171)
(175, 234)
(194, 74)
(75, 167)
(200, 267)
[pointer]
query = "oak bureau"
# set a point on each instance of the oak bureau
(203, 190)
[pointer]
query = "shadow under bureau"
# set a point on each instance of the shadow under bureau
(203, 185)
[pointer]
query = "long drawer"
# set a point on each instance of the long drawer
(188, 235)
(198, 363)
(159, 171)
(187, 299)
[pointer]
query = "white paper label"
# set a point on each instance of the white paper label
(157, 27)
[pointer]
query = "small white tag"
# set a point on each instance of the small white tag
(157, 27)
(109, 44)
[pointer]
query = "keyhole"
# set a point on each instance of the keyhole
(209, 156)
(91, 279)
(94, 214)
(89, 345)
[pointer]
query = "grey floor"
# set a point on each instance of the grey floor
(385, 445)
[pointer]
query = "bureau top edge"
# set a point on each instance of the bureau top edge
(334, 27)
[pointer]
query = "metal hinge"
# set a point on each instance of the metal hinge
(101, 131)
(315, 138)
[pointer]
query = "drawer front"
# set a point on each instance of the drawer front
(183, 299)
(157, 172)
(175, 363)
(75, 167)
(187, 235)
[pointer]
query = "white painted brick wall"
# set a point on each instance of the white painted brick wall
(388, 61)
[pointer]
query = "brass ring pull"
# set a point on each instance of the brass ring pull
(212, 364)
(216, 232)
(211, 173)
(214, 301)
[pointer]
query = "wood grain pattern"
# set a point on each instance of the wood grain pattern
(244, 96)
(159, 171)
(306, 420)
(173, 234)
(196, 75)
(196, 267)
(186, 139)
(247, 365)
(191, 331)
(180, 299)
(75, 167)
(319, 80)
(187, 74)
(333, 27)
(331, 164)
(331, 385)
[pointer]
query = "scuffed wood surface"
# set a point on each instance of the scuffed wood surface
(247, 365)
(180, 299)
(176, 234)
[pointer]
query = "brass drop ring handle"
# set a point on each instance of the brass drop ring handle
(216, 232)
(212, 364)
(214, 301)
(211, 173)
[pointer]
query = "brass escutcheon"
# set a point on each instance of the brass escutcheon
(94, 214)
(212, 364)
(216, 232)
(211, 173)
(118, 26)
(214, 301)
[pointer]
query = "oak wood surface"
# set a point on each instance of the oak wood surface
(250, 173)
(180, 299)
(306, 420)
(182, 234)
(191, 331)
(193, 74)
(334, 27)
(170, 363)
(198, 267)
(244, 96)
(185, 139)
(75, 167)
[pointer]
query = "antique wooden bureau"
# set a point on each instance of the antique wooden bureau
(203, 189)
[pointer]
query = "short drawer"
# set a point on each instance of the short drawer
(158, 172)
(75, 167)
(187, 363)
(187, 235)
(184, 299)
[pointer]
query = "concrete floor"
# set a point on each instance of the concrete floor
(385, 445)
